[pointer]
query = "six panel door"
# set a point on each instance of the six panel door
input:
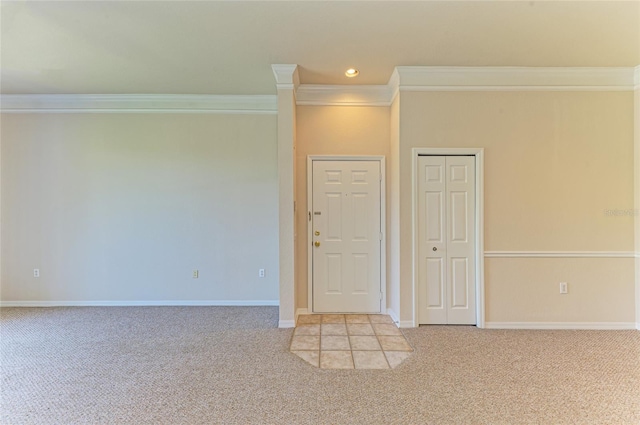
(446, 240)
(346, 233)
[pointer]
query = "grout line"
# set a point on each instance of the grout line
(349, 339)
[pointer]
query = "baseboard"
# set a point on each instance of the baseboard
(638, 326)
(160, 303)
(394, 317)
(283, 324)
(301, 311)
(399, 323)
(562, 325)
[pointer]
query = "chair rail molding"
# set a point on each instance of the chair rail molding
(560, 254)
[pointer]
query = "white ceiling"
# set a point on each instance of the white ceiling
(209, 47)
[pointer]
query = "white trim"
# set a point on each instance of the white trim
(479, 247)
(383, 220)
(343, 95)
(394, 85)
(562, 325)
(140, 103)
(159, 303)
(286, 324)
(515, 88)
(515, 78)
(286, 76)
(560, 254)
(399, 323)
(139, 111)
(405, 324)
(393, 316)
(447, 78)
(299, 312)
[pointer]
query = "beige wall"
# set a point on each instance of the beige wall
(331, 130)
(122, 207)
(526, 290)
(554, 163)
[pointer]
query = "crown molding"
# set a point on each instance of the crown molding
(403, 78)
(440, 78)
(343, 95)
(287, 76)
(143, 103)
(445, 78)
(394, 84)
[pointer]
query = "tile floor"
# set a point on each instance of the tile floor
(349, 341)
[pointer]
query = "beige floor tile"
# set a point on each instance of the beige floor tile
(305, 343)
(356, 318)
(396, 357)
(394, 343)
(309, 319)
(333, 318)
(307, 330)
(386, 329)
(370, 360)
(380, 318)
(334, 329)
(360, 329)
(336, 360)
(364, 343)
(335, 343)
(311, 357)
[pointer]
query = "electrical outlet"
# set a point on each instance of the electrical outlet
(36, 272)
(564, 288)
(261, 273)
(195, 274)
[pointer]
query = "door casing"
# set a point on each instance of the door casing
(383, 222)
(478, 153)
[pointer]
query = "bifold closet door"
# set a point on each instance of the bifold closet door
(446, 240)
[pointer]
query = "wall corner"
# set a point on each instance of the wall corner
(287, 81)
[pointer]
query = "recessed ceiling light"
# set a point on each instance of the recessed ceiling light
(351, 72)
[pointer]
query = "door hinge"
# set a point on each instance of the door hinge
(380, 296)
(380, 235)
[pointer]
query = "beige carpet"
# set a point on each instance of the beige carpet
(228, 365)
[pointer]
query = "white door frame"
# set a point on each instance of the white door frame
(479, 218)
(383, 222)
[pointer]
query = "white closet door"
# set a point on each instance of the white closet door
(446, 235)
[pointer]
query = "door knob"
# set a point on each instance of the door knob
(435, 249)
(317, 244)
(317, 233)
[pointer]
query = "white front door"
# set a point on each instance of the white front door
(346, 236)
(446, 240)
